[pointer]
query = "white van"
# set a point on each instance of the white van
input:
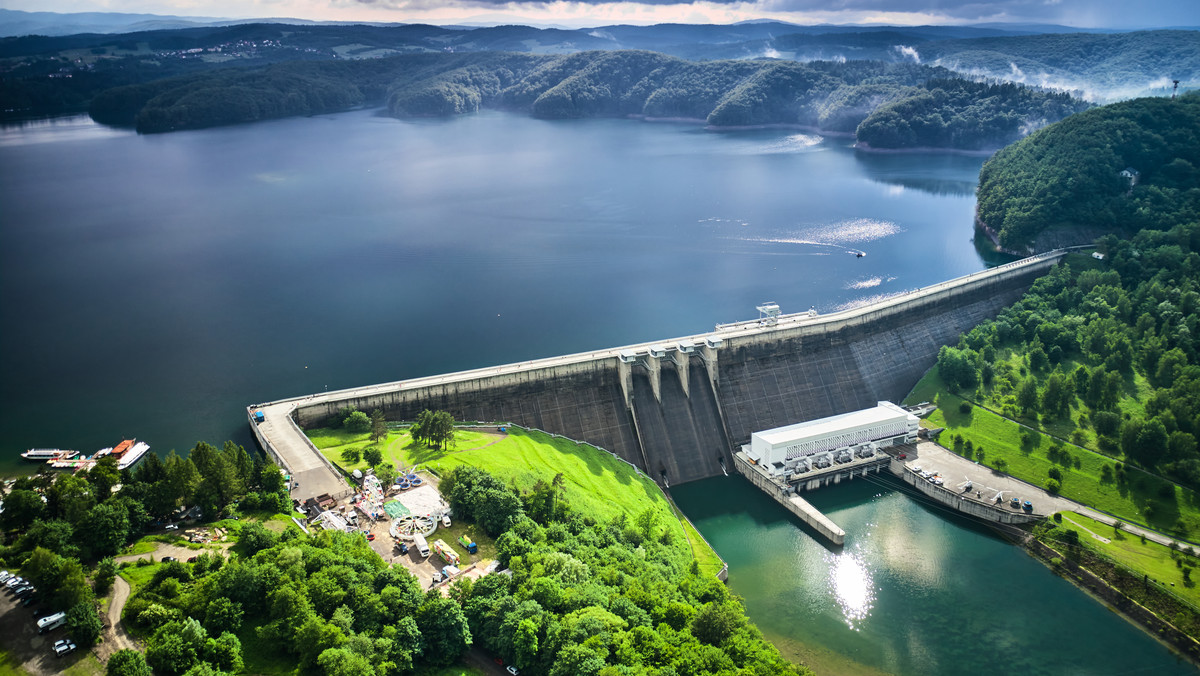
(422, 546)
(51, 622)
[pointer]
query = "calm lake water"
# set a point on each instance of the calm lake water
(152, 286)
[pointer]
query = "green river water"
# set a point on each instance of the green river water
(916, 590)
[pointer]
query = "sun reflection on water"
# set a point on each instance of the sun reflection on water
(852, 586)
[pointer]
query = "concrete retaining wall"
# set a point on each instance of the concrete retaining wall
(581, 400)
(960, 502)
(793, 503)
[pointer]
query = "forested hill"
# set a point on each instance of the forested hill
(1068, 178)
(1102, 67)
(895, 105)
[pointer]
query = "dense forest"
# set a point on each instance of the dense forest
(898, 105)
(47, 75)
(578, 596)
(1101, 67)
(581, 597)
(58, 526)
(1069, 176)
(1104, 355)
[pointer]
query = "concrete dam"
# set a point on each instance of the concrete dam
(680, 408)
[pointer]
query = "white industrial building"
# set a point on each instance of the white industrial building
(818, 444)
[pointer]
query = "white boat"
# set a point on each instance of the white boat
(131, 456)
(129, 452)
(44, 454)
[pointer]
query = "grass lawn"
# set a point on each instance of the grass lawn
(487, 546)
(138, 576)
(86, 665)
(1140, 498)
(9, 666)
(1149, 558)
(710, 563)
(597, 484)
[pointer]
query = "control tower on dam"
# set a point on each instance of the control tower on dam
(680, 408)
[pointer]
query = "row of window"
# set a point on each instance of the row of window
(815, 446)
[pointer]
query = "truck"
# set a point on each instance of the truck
(467, 542)
(422, 546)
(446, 552)
(51, 622)
(259, 417)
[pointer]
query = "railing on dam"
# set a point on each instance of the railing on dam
(903, 298)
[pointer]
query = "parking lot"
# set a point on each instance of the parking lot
(33, 651)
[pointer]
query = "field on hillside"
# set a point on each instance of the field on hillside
(1030, 455)
(596, 483)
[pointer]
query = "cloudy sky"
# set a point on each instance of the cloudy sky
(575, 13)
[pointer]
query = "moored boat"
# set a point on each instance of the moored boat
(44, 454)
(128, 452)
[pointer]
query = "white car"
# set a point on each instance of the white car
(4, 575)
(63, 647)
(172, 526)
(445, 520)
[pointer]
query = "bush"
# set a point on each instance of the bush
(964, 407)
(1054, 486)
(84, 625)
(350, 455)
(357, 422)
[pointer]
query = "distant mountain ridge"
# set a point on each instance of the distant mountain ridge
(1101, 66)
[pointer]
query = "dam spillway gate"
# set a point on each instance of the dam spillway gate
(680, 409)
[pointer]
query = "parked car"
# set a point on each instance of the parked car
(4, 575)
(172, 526)
(63, 647)
(169, 559)
(13, 581)
(511, 669)
(446, 520)
(192, 559)
(24, 592)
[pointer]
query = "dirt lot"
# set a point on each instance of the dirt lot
(22, 641)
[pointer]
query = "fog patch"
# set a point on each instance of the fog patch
(908, 52)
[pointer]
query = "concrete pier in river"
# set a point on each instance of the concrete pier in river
(679, 408)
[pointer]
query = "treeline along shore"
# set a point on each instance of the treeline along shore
(887, 105)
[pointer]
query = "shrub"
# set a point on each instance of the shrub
(350, 455)
(964, 407)
(357, 422)
(1054, 486)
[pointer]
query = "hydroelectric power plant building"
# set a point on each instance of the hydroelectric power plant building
(818, 444)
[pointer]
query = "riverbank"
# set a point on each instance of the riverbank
(1125, 595)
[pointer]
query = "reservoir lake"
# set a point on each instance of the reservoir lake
(153, 286)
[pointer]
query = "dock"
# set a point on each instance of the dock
(787, 494)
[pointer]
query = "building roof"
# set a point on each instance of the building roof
(821, 427)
